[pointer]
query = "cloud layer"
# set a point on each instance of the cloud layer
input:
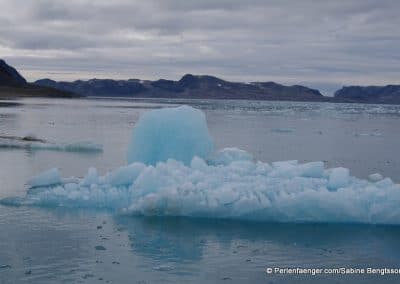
(319, 43)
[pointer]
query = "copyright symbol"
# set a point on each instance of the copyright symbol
(268, 270)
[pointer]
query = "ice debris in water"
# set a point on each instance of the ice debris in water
(375, 177)
(224, 184)
(282, 130)
(228, 155)
(372, 134)
(170, 133)
(38, 144)
(238, 189)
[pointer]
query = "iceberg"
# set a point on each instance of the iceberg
(170, 133)
(187, 178)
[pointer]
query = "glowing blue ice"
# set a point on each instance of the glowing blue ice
(170, 133)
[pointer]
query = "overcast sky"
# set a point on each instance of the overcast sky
(322, 44)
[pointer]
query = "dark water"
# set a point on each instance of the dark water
(48, 245)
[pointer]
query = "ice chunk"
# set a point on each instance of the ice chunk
(375, 177)
(198, 164)
(284, 168)
(229, 155)
(386, 182)
(91, 177)
(282, 164)
(339, 177)
(312, 169)
(292, 168)
(171, 133)
(47, 178)
(125, 175)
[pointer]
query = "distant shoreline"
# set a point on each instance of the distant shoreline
(173, 100)
(329, 100)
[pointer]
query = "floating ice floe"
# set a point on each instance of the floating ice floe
(220, 184)
(282, 130)
(372, 134)
(32, 143)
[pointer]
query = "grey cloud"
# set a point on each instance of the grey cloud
(318, 42)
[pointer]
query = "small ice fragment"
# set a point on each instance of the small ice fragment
(198, 164)
(372, 134)
(125, 175)
(386, 182)
(312, 169)
(49, 177)
(279, 164)
(282, 130)
(375, 177)
(229, 155)
(91, 177)
(163, 267)
(288, 169)
(100, 248)
(339, 177)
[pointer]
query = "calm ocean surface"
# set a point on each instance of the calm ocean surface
(57, 245)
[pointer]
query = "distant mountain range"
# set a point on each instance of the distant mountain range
(12, 84)
(209, 87)
(389, 94)
(189, 86)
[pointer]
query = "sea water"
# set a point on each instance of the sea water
(47, 245)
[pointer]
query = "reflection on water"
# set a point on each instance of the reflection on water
(59, 245)
(186, 239)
